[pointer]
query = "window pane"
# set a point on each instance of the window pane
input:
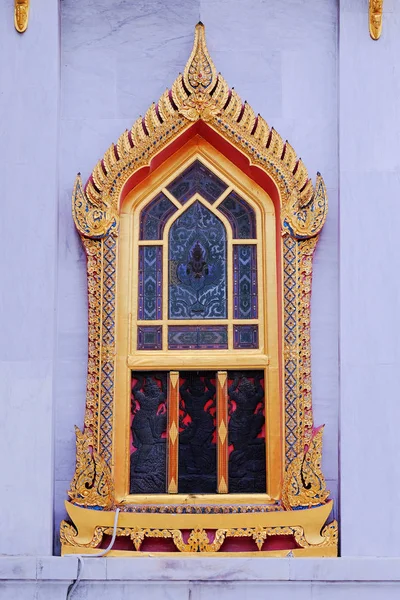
(246, 432)
(197, 435)
(245, 336)
(154, 217)
(197, 260)
(241, 216)
(150, 283)
(197, 179)
(245, 282)
(149, 338)
(197, 337)
(148, 433)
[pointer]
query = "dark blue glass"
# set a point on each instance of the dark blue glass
(154, 217)
(241, 216)
(245, 282)
(197, 179)
(150, 283)
(201, 337)
(197, 261)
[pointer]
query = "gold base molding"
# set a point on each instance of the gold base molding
(305, 526)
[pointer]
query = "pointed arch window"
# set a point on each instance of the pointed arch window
(197, 311)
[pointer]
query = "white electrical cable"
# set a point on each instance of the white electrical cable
(81, 563)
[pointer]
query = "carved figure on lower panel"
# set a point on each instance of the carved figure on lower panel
(246, 439)
(149, 423)
(197, 455)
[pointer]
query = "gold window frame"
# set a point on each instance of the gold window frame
(264, 358)
(201, 116)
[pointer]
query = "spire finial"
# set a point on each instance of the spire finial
(200, 73)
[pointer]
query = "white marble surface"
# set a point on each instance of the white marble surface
(29, 96)
(48, 578)
(117, 57)
(369, 284)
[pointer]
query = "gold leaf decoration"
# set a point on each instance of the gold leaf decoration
(304, 484)
(21, 15)
(375, 18)
(92, 484)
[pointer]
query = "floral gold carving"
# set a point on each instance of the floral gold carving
(92, 483)
(375, 18)
(199, 539)
(200, 71)
(21, 15)
(93, 218)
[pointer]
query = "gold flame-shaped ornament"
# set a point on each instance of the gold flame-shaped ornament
(375, 18)
(21, 15)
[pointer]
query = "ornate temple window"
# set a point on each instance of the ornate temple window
(199, 227)
(203, 244)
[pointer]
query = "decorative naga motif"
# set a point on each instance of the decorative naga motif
(375, 18)
(92, 484)
(92, 218)
(304, 484)
(21, 15)
(304, 216)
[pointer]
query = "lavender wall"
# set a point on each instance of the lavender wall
(118, 57)
(29, 103)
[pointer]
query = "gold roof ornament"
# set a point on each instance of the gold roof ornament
(200, 93)
(375, 18)
(21, 15)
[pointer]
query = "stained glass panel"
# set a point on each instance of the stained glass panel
(150, 283)
(149, 338)
(241, 216)
(245, 282)
(197, 337)
(154, 217)
(197, 179)
(197, 260)
(245, 336)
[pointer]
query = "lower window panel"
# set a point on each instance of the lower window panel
(197, 471)
(198, 437)
(246, 432)
(148, 433)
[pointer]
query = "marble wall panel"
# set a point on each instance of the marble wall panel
(29, 105)
(369, 288)
(117, 58)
